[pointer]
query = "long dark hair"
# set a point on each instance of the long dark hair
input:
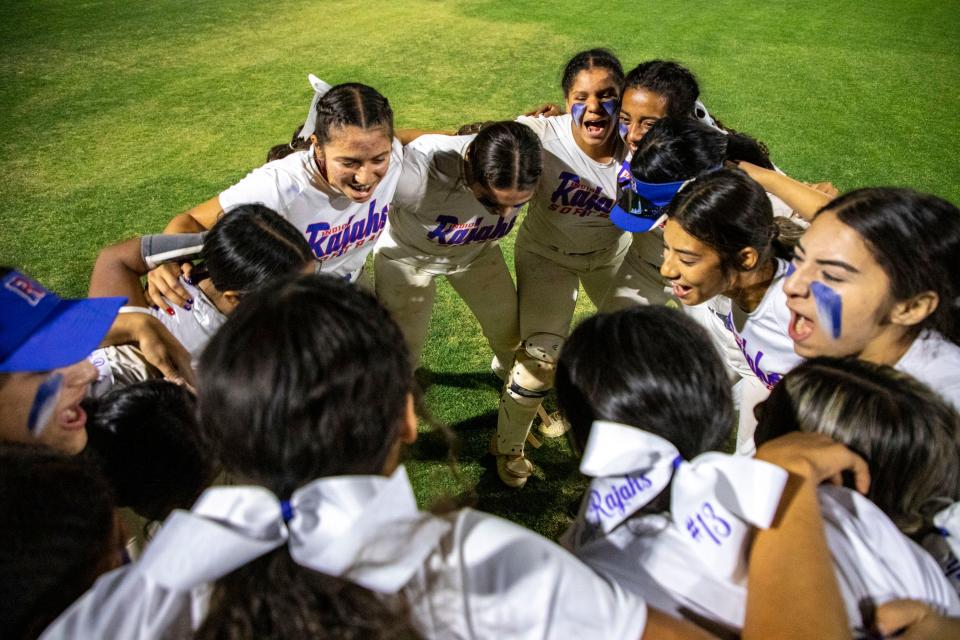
(729, 212)
(505, 155)
(907, 433)
(650, 367)
(915, 238)
(591, 59)
(307, 379)
(57, 535)
(250, 246)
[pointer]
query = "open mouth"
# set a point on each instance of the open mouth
(680, 291)
(363, 190)
(73, 417)
(596, 127)
(801, 327)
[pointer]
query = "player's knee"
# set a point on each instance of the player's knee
(535, 367)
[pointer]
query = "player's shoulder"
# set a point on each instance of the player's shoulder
(547, 128)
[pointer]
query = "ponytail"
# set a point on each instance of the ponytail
(274, 597)
(296, 143)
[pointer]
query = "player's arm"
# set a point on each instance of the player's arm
(803, 199)
(117, 272)
(200, 218)
(406, 136)
(793, 589)
(163, 283)
(159, 347)
(547, 109)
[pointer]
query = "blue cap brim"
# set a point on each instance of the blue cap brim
(630, 222)
(67, 335)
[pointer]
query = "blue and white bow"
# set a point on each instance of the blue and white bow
(366, 529)
(320, 89)
(714, 501)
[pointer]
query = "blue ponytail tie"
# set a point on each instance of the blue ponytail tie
(286, 511)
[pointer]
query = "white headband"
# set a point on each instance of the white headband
(714, 499)
(320, 89)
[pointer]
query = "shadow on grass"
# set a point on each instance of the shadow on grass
(472, 380)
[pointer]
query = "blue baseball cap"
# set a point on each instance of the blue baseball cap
(643, 205)
(40, 331)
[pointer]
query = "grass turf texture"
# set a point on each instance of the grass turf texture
(118, 115)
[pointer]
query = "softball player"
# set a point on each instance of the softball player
(337, 193)
(566, 239)
(457, 197)
(653, 90)
(242, 252)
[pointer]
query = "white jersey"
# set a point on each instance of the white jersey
(473, 575)
(935, 361)
(341, 232)
(651, 556)
(435, 221)
(571, 208)
(763, 339)
(193, 328)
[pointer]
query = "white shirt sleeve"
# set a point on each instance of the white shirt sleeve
(539, 124)
(875, 562)
(413, 179)
(265, 185)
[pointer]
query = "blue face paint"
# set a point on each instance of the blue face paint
(829, 307)
(610, 106)
(624, 130)
(577, 111)
(44, 403)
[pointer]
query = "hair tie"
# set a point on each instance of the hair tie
(320, 89)
(286, 511)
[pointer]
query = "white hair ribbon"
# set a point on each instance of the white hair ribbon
(320, 89)
(948, 522)
(701, 113)
(714, 500)
(365, 529)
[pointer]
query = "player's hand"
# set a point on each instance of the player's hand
(473, 127)
(165, 352)
(824, 187)
(546, 110)
(915, 620)
(164, 288)
(817, 458)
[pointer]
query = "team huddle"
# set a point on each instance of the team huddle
(253, 399)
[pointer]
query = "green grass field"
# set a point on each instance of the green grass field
(118, 115)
